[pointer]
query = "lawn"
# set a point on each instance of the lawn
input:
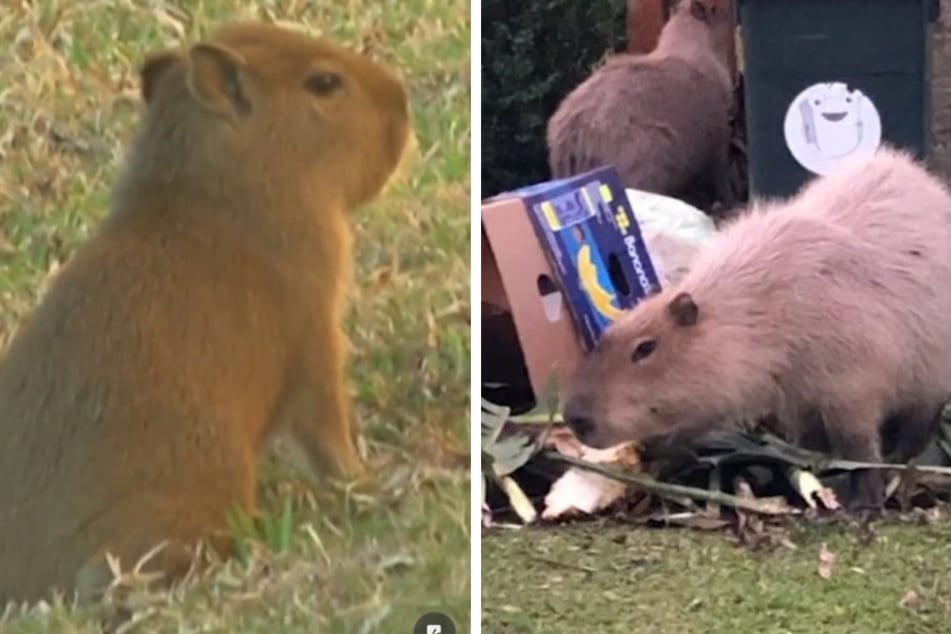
(361, 563)
(606, 577)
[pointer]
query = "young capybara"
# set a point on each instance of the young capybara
(204, 315)
(662, 119)
(827, 314)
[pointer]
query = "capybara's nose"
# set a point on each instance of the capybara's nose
(579, 419)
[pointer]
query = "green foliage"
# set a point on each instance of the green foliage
(504, 456)
(533, 53)
(274, 530)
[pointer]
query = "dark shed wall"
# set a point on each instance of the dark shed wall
(941, 91)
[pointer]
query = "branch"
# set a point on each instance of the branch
(852, 465)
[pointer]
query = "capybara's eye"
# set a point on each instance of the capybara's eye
(323, 83)
(643, 350)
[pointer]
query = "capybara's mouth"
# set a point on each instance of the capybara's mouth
(597, 438)
(834, 116)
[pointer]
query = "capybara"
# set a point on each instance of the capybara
(204, 315)
(827, 313)
(662, 119)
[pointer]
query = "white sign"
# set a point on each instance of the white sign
(827, 122)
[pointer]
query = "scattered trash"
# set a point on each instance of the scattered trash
(811, 490)
(721, 479)
(673, 232)
(583, 492)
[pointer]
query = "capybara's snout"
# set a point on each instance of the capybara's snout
(579, 418)
(579, 415)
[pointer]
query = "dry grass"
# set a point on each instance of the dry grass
(370, 563)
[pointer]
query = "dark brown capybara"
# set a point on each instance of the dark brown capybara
(662, 119)
(203, 316)
(827, 313)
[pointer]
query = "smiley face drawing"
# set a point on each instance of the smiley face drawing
(827, 122)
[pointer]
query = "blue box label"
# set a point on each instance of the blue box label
(590, 234)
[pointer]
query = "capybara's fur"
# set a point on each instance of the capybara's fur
(662, 119)
(203, 316)
(828, 313)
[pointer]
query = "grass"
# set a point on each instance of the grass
(606, 577)
(355, 563)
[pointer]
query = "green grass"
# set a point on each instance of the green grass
(609, 578)
(68, 106)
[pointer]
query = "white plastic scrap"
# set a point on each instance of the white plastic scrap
(673, 232)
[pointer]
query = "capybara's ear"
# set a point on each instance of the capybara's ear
(215, 78)
(683, 310)
(152, 70)
(699, 10)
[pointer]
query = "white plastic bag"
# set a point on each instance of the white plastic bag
(673, 232)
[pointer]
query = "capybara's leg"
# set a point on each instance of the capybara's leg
(132, 527)
(719, 178)
(320, 409)
(868, 491)
(167, 565)
(853, 433)
(909, 431)
(170, 563)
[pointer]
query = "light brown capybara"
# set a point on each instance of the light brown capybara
(662, 119)
(828, 313)
(202, 317)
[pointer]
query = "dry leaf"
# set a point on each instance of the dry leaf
(911, 600)
(486, 515)
(826, 562)
(701, 521)
(520, 502)
(742, 489)
(171, 20)
(828, 498)
(810, 488)
(773, 504)
(624, 456)
(756, 531)
(563, 440)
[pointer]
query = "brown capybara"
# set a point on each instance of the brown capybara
(828, 313)
(204, 315)
(662, 119)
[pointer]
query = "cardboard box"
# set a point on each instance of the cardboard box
(593, 241)
(527, 332)
(564, 258)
